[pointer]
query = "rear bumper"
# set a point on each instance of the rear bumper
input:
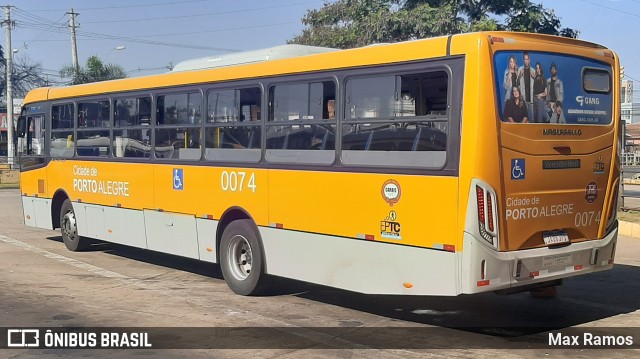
(504, 270)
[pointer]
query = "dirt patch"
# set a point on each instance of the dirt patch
(9, 177)
(629, 216)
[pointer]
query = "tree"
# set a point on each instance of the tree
(94, 71)
(27, 75)
(352, 23)
(535, 18)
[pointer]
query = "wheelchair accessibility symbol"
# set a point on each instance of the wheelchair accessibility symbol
(178, 179)
(517, 169)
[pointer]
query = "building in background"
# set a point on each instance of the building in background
(17, 105)
(630, 115)
(629, 110)
(631, 151)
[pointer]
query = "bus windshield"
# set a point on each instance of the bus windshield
(542, 87)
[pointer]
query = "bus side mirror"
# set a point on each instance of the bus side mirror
(22, 126)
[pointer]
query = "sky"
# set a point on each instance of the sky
(156, 34)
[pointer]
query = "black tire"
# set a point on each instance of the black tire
(242, 258)
(69, 229)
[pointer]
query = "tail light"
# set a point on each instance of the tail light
(613, 207)
(487, 222)
(490, 212)
(480, 199)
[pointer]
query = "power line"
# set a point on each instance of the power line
(91, 34)
(200, 15)
(141, 39)
(613, 9)
(45, 25)
(49, 34)
(218, 30)
(625, 75)
(126, 6)
(99, 36)
(152, 42)
(31, 17)
(610, 8)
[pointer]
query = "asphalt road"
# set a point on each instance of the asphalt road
(629, 171)
(631, 196)
(43, 285)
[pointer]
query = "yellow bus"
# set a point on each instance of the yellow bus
(445, 166)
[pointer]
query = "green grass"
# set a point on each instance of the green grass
(9, 185)
(629, 216)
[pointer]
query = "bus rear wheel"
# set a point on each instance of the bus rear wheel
(69, 229)
(242, 259)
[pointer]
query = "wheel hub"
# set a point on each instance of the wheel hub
(240, 257)
(69, 227)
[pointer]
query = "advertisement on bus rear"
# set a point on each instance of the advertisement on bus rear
(541, 87)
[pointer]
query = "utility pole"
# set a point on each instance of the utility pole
(74, 47)
(8, 24)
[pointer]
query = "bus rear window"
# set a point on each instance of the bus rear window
(543, 87)
(595, 80)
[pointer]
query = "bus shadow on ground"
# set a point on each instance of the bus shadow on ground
(580, 300)
(157, 258)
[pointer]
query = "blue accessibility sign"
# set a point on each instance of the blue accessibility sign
(178, 179)
(517, 169)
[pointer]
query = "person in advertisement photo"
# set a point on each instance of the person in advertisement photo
(510, 78)
(526, 76)
(558, 115)
(540, 114)
(555, 88)
(515, 109)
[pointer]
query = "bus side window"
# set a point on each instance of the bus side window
(62, 116)
(178, 133)
(395, 118)
(93, 128)
(32, 141)
(177, 109)
(233, 127)
(130, 138)
(61, 136)
(300, 115)
(144, 112)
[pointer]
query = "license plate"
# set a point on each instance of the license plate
(555, 237)
(558, 260)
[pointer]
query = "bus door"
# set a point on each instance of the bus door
(31, 139)
(557, 135)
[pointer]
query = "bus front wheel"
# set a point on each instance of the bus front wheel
(69, 229)
(242, 259)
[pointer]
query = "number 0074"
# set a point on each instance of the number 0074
(236, 181)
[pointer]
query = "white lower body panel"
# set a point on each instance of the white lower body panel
(359, 265)
(37, 212)
(111, 224)
(171, 233)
